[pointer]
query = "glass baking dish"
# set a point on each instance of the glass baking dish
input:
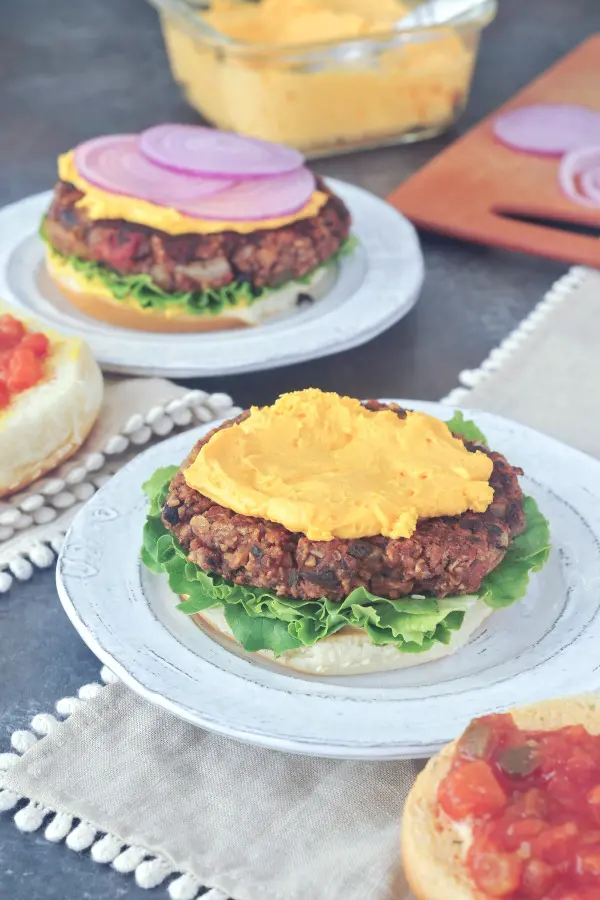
(327, 97)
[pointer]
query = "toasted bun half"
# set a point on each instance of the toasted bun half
(350, 651)
(46, 424)
(433, 845)
(95, 300)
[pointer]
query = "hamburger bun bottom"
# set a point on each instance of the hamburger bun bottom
(127, 313)
(45, 425)
(350, 651)
(433, 845)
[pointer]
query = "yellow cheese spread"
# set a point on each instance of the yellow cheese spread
(318, 97)
(101, 204)
(326, 466)
(303, 21)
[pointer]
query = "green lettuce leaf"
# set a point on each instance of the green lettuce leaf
(150, 296)
(260, 620)
(259, 632)
(464, 428)
(528, 553)
(157, 487)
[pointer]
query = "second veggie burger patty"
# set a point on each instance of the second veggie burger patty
(444, 556)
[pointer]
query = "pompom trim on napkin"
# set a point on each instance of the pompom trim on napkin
(148, 869)
(45, 502)
(561, 290)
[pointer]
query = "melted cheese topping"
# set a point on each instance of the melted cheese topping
(325, 466)
(61, 267)
(303, 21)
(101, 204)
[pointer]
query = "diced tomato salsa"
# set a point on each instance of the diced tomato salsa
(532, 799)
(22, 355)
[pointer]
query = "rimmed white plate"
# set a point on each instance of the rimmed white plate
(370, 290)
(544, 646)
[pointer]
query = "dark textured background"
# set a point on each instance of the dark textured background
(69, 70)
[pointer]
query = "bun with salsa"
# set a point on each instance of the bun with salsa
(511, 809)
(50, 396)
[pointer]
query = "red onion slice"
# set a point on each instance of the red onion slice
(579, 176)
(590, 183)
(114, 162)
(206, 151)
(548, 129)
(258, 198)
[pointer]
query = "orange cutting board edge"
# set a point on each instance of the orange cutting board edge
(461, 192)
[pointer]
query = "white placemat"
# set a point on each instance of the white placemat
(154, 796)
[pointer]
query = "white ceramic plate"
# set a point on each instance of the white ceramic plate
(544, 646)
(372, 289)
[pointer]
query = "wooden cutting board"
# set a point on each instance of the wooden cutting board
(471, 190)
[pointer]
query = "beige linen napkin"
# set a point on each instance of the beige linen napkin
(255, 823)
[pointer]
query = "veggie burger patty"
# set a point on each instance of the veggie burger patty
(195, 262)
(444, 556)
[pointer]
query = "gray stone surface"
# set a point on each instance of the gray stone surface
(68, 70)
